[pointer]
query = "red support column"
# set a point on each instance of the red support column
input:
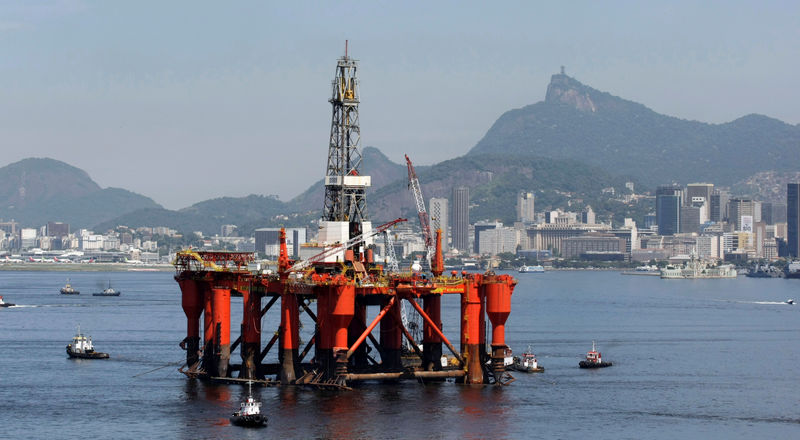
(431, 342)
(324, 353)
(470, 330)
(204, 289)
(221, 311)
(498, 291)
(289, 337)
(192, 303)
(342, 309)
(251, 334)
(391, 336)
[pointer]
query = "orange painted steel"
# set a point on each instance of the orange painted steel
(498, 306)
(192, 303)
(438, 332)
(251, 333)
(371, 327)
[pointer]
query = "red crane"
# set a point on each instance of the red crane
(424, 220)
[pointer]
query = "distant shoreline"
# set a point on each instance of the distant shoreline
(84, 267)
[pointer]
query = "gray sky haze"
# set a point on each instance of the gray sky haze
(185, 101)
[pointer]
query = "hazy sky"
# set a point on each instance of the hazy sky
(186, 101)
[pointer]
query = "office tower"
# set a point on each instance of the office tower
(793, 218)
(704, 190)
(460, 222)
(669, 200)
(525, 211)
(587, 215)
(439, 219)
(738, 208)
(719, 206)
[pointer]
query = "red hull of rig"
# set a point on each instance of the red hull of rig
(342, 292)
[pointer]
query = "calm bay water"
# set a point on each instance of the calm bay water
(692, 359)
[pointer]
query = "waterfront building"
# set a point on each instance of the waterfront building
(525, 205)
(497, 240)
(479, 228)
(669, 200)
(709, 246)
(793, 219)
(550, 236)
(593, 242)
(267, 241)
(438, 210)
(460, 221)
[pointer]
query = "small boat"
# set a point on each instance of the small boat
(69, 290)
(5, 304)
(593, 359)
(531, 269)
(108, 291)
(527, 362)
(249, 413)
(788, 301)
(82, 347)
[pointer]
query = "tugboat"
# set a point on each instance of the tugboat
(527, 362)
(69, 290)
(5, 304)
(593, 359)
(107, 292)
(83, 348)
(249, 414)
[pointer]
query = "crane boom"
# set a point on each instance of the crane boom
(338, 246)
(424, 220)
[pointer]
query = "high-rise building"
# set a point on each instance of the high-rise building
(587, 215)
(773, 213)
(481, 227)
(738, 208)
(704, 190)
(719, 206)
(57, 229)
(439, 219)
(525, 212)
(669, 200)
(268, 241)
(793, 218)
(460, 222)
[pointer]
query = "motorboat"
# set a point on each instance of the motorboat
(83, 348)
(593, 359)
(249, 414)
(788, 301)
(5, 304)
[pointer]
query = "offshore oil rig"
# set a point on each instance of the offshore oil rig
(343, 280)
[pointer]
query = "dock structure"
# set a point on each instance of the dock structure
(337, 352)
(339, 284)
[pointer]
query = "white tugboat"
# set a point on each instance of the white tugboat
(527, 362)
(249, 413)
(82, 347)
(593, 359)
(107, 292)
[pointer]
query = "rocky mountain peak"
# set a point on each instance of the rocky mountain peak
(569, 91)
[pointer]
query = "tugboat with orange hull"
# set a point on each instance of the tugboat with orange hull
(249, 414)
(594, 359)
(82, 347)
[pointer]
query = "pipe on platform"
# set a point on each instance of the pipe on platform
(405, 375)
(438, 332)
(371, 326)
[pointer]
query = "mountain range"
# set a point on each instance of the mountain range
(565, 148)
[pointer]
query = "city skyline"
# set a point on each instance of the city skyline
(121, 88)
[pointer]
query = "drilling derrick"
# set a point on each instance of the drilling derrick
(345, 211)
